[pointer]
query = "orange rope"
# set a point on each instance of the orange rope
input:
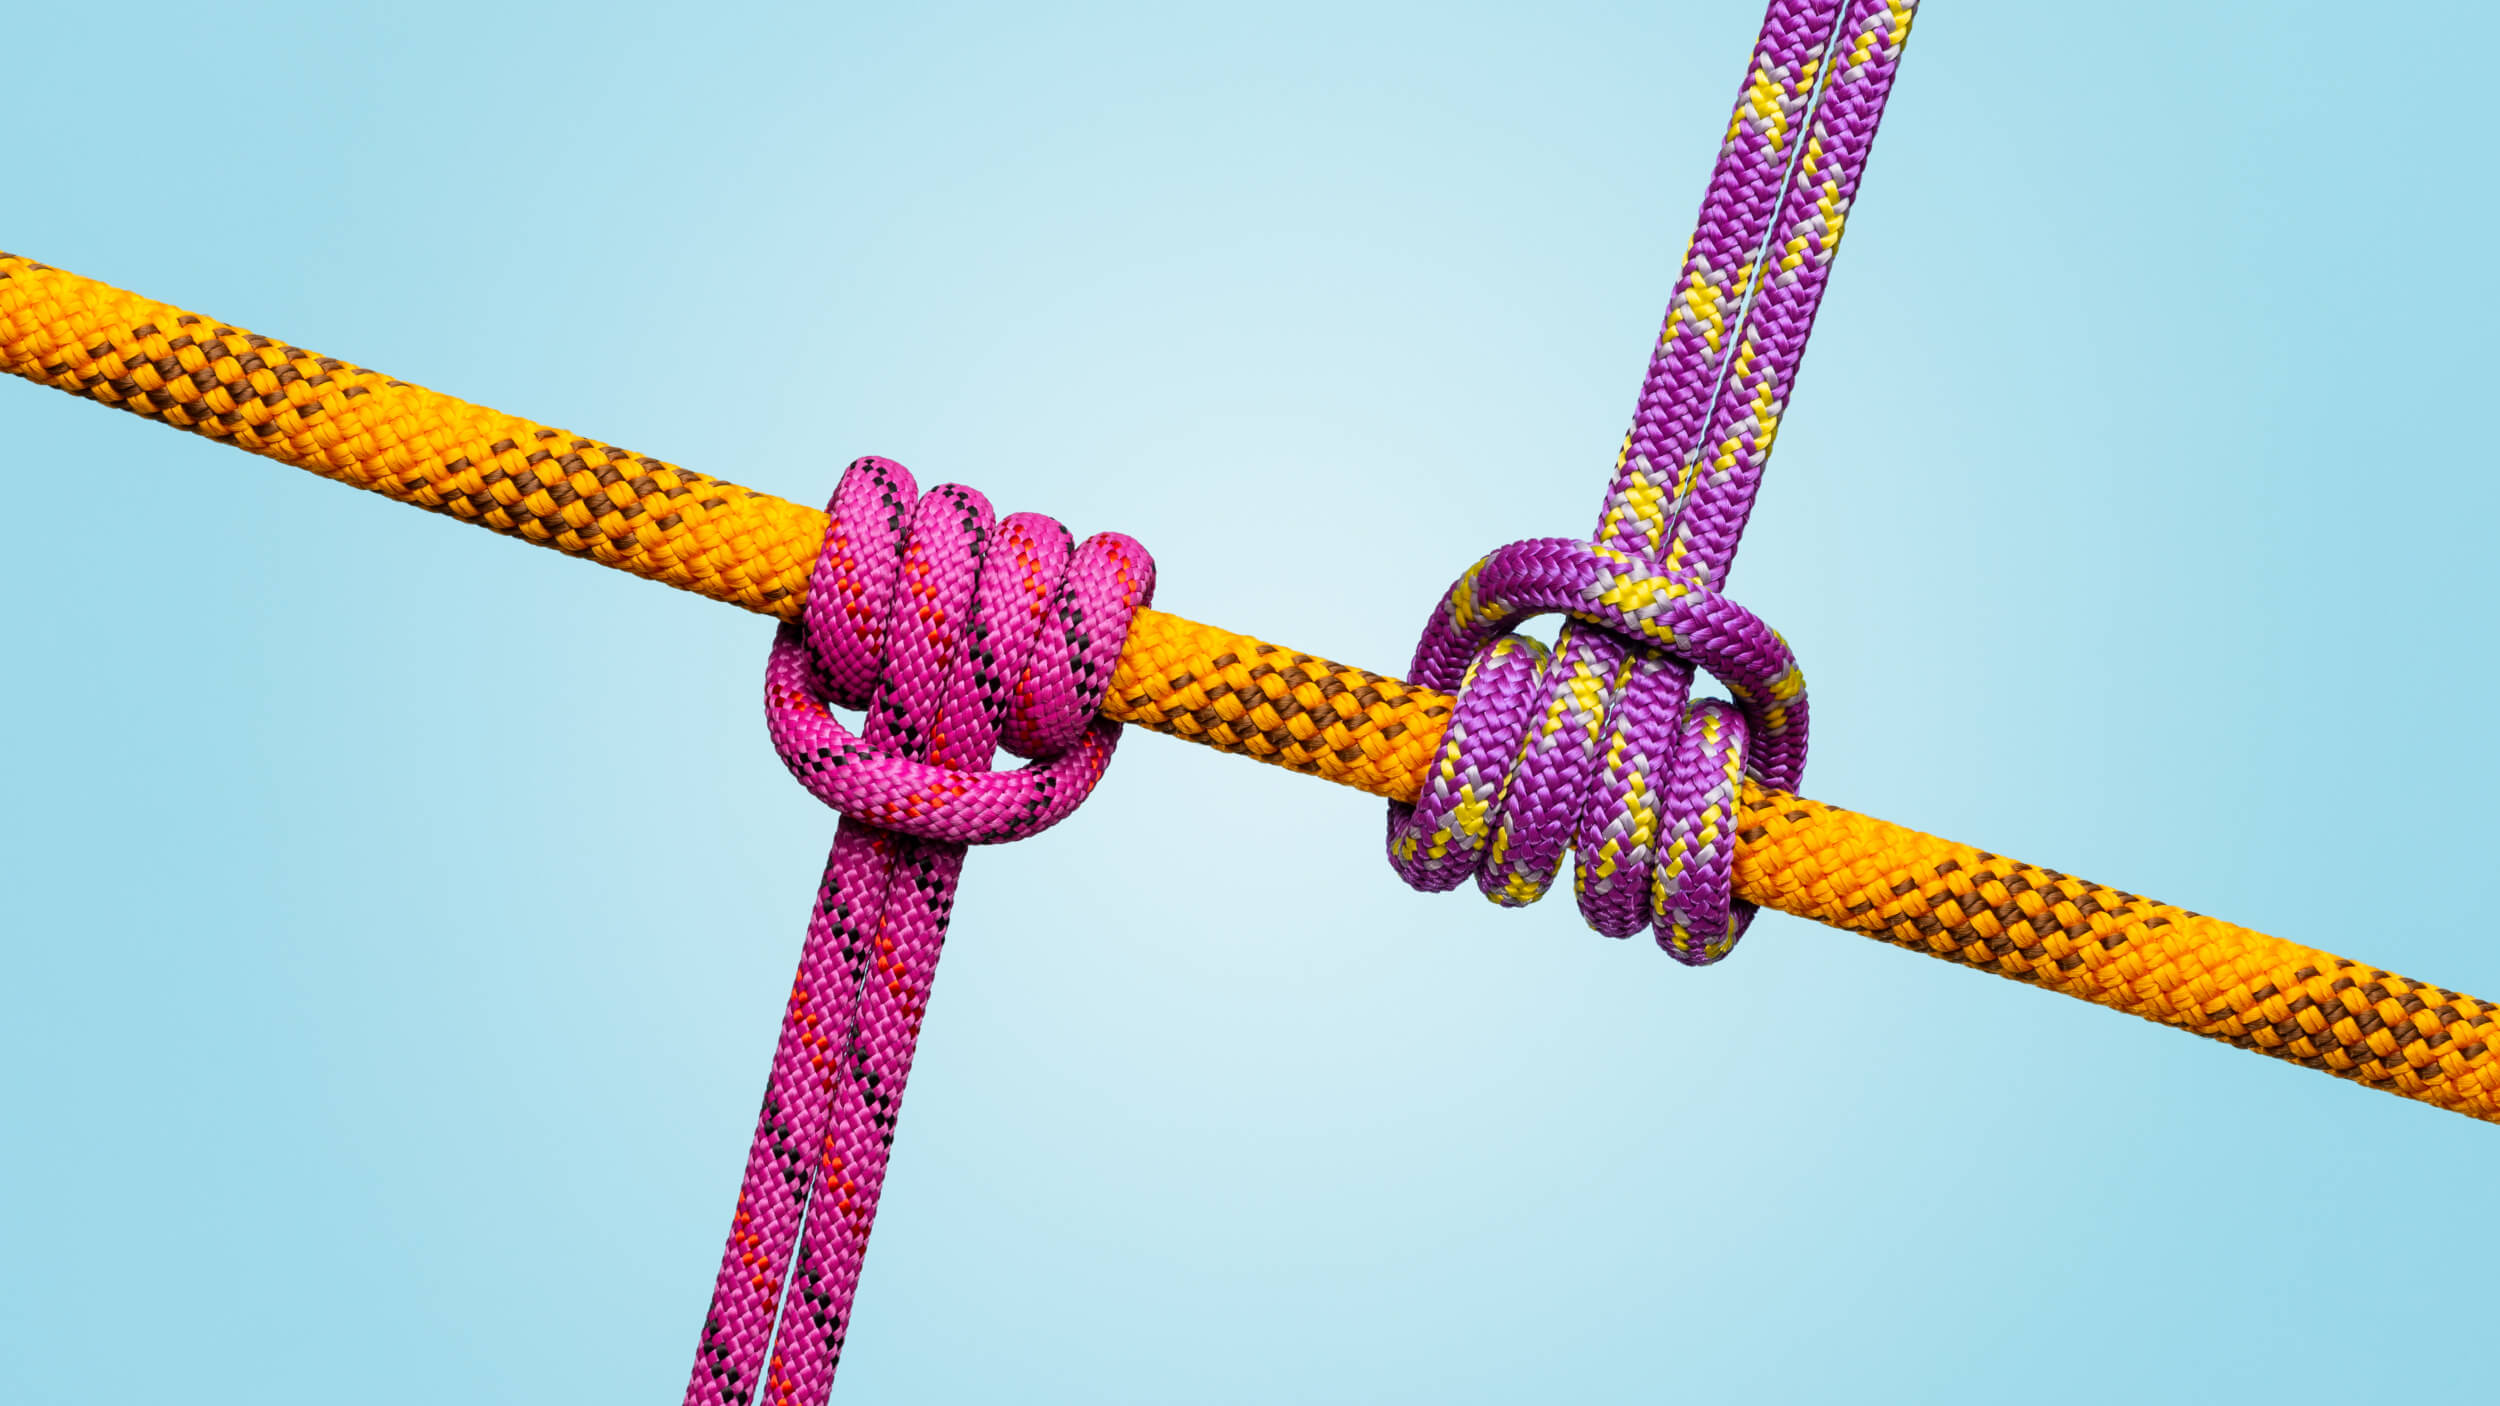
(1239, 694)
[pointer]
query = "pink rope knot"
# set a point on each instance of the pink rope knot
(957, 633)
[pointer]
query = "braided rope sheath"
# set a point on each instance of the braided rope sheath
(1239, 694)
(369, 431)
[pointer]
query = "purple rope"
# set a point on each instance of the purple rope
(958, 635)
(1596, 746)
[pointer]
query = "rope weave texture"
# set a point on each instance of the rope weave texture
(1242, 695)
(369, 431)
(956, 633)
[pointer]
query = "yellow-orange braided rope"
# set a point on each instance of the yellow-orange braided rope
(1240, 694)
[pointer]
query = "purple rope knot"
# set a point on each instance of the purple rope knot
(958, 633)
(1591, 746)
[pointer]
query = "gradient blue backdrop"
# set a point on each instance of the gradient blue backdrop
(398, 917)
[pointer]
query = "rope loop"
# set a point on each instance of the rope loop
(1592, 747)
(959, 633)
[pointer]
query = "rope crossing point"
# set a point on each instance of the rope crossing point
(918, 607)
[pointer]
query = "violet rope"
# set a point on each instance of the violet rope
(1597, 746)
(957, 635)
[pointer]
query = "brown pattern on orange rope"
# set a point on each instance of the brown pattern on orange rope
(1240, 694)
(2122, 951)
(362, 428)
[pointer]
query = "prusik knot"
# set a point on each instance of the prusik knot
(959, 634)
(1593, 747)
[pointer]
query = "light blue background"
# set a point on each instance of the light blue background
(398, 917)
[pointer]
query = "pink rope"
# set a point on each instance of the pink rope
(957, 634)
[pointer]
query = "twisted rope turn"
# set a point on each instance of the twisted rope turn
(957, 634)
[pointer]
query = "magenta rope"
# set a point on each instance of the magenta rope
(1597, 746)
(958, 635)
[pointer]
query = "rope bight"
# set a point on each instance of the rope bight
(959, 633)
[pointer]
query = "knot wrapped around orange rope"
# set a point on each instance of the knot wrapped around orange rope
(1594, 748)
(1003, 629)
